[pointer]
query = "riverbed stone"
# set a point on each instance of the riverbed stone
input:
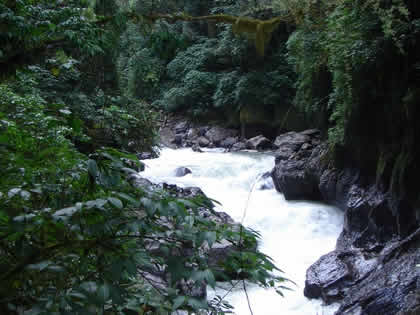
(258, 143)
(182, 171)
(228, 142)
(181, 127)
(238, 146)
(203, 142)
(293, 140)
(217, 134)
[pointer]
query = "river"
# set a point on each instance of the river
(294, 233)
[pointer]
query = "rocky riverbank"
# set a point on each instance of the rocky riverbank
(177, 132)
(373, 269)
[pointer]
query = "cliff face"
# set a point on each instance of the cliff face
(373, 269)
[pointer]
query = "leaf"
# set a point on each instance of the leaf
(77, 295)
(56, 268)
(89, 286)
(149, 206)
(55, 72)
(39, 266)
(117, 203)
(93, 168)
(209, 277)
(178, 301)
(197, 304)
(103, 293)
(210, 237)
(130, 199)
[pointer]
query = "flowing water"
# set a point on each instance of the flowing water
(294, 234)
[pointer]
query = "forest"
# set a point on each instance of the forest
(85, 86)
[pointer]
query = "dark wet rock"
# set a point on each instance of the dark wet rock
(373, 269)
(192, 134)
(182, 171)
(181, 127)
(196, 148)
(323, 278)
(333, 274)
(229, 142)
(147, 155)
(217, 134)
(292, 179)
(178, 139)
(258, 143)
(293, 140)
(310, 132)
(265, 182)
(393, 286)
(203, 142)
(238, 147)
(290, 143)
(201, 131)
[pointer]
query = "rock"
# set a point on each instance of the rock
(373, 268)
(258, 143)
(291, 178)
(196, 148)
(306, 146)
(292, 140)
(326, 277)
(229, 142)
(238, 147)
(192, 134)
(310, 132)
(217, 134)
(147, 155)
(178, 139)
(181, 127)
(201, 132)
(182, 171)
(203, 142)
(392, 287)
(265, 182)
(135, 165)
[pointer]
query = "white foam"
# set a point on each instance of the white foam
(294, 234)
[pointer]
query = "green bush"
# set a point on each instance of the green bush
(75, 234)
(194, 95)
(199, 57)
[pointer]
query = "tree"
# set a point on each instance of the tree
(75, 235)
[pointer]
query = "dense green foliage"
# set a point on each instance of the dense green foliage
(355, 77)
(76, 236)
(205, 70)
(357, 64)
(75, 87)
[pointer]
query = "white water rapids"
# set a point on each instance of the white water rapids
(294, 234)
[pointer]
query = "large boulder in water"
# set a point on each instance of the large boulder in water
(182, 171)
(229, 142)
(258, 143)
(203, 142)
(217, 134)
